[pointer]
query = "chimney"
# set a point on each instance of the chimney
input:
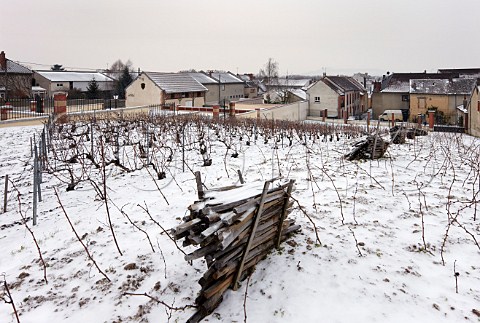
(3, 61)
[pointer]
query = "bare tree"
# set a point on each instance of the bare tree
(269, 73)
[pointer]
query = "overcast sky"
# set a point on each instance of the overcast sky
(303, 36)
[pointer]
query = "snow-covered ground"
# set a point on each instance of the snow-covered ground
(371, 264)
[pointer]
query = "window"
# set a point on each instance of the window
(59, 84)
(142, 86)
(317, 99)
(405, 98)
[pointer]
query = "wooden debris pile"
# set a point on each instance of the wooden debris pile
(234, 228)
(372, 147)
(398, 134)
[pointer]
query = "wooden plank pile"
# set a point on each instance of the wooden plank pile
(372, 147)
(234, 228)
(398, 134)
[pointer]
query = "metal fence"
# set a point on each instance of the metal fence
(28, 108)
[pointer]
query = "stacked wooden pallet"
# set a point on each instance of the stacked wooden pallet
(234, 228)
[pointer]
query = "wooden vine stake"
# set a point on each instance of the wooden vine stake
(198, 179)
(284, 212)
(252, 234)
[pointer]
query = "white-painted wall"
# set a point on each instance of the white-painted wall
(136, 96)
(328, 100)
(292, 112)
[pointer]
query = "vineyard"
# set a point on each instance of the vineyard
(389, 239)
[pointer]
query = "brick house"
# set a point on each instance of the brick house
(15, 79)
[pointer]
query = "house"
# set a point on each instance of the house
(15, 79)
(229, 87)
(251, 88)
(284, 96)
(462, 72)
(223, 87)
(151, 88)
(449, 98)
(337, 95)
(65, 81)
(393, 91)
(473, 118)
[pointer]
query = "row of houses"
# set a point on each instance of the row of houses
(450, 93)
(453, 94)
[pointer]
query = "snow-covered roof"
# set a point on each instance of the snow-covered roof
(442, 86)
(461, 108)
(67, 76)
(299, 92)
(225, 77)
(38, 88)
(344, 83)
(202, 78)
(287, 82)
(15, 68)
(176, 82)
(400, 82)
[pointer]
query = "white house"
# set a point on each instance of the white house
(151, 88)
(336, 94)
(63, 81)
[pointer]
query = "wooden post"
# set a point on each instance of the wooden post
(5, 195)
(198, 179)
(368, 121)
(216, 112)
(252, 234)
(35, 186)
(393, 119)
(431, 119)
(465, 121)
(284, 211)
(240, 177)
(324, 115)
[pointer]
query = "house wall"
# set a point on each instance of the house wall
(328, 100)
(297, 111)
(474, 115)
(54, 87)
(18, 85)
(189, 102)
(388, 101)
(229, 92)
(421, 103)
(250, 92)
(136, 96)
(43, 82)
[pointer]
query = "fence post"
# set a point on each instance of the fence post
(91, 137)
(5, 195)
(431, 119)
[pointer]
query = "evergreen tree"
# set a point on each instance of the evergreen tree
(124, 81)
(93, 89)
(57, 67)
